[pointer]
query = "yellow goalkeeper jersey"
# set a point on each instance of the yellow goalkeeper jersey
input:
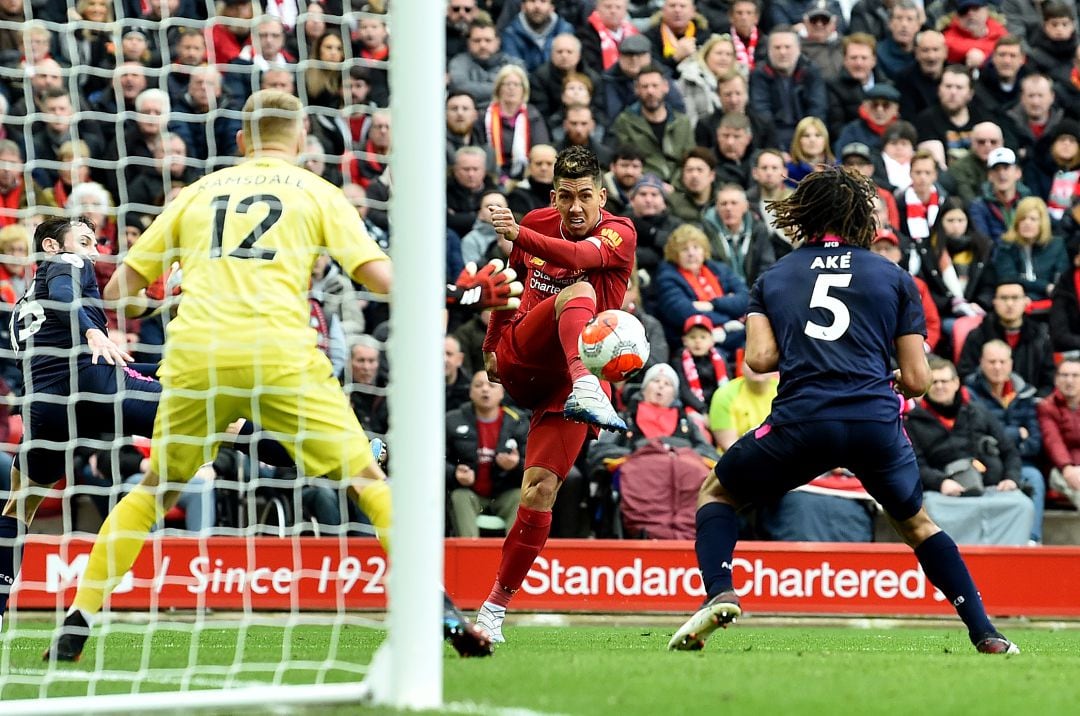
(246, 238)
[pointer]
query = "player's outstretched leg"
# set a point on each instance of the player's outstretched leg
(118, 545)
(944, 567)
(718, 612)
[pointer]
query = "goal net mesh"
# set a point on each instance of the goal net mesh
(264, 577)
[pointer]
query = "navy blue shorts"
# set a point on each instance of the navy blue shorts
(766, 463)
(53, 412)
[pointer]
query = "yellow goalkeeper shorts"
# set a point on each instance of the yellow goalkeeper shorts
(304, 408)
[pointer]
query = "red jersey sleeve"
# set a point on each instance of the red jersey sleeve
(612, 243)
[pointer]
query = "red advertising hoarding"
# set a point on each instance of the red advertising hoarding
(571, 575)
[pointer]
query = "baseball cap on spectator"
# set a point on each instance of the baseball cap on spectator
(648, 180)
(999, 156)
(962, 5)
(883, 90)
(856, 149)
(660, 370)
(819, 9)
(696, 321)
(635, 45)
(887, 235)
(1066, 128)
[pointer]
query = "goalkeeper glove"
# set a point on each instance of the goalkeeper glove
(489, 287)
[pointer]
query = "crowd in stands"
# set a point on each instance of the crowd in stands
(965, 114)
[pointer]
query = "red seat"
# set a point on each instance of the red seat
(961, 328)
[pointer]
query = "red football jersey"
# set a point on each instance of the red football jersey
(548, 261)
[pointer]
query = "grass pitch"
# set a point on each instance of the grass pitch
(746, 669)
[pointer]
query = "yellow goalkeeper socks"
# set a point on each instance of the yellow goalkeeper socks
(118, 544)
(374, 501)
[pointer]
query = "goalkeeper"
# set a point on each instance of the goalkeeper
(240, 345)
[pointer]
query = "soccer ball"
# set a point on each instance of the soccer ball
(613, 345)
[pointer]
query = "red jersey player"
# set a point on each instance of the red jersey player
(575, 260)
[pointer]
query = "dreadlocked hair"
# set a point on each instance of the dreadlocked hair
(576, 162)
(831, 200)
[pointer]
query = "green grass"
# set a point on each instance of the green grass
(625, 670)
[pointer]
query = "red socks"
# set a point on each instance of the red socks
(572, 319)
(523, 543)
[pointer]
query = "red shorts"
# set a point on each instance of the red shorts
(531, 366)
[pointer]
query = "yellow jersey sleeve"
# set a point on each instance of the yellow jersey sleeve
(156, 250)
(347, 241)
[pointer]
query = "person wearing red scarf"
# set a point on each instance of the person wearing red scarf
(879, 110)
(607, 26)
(700, 366)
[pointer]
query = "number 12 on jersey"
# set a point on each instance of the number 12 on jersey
(820, 298)
(246, 249)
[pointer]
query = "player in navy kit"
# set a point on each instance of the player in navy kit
(830, 316)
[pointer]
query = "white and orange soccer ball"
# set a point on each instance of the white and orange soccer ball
(613, 345)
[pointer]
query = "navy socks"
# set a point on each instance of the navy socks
(945, 568)
(717, 533)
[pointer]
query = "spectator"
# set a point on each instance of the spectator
(15, 197)
(534, 191)
(578, 129)
(741, 405)
(662, 135)
(468, 181)
(366, 387)
(625, 169)
(577, 90)
(602, 32)
(459, 14)
(734, 149)
(676, 33)
(529, 35)
(485, 444)
(1029, 253)
(786, 88)
(1059, 420)
(90, 44)
(699, 74)
(957, 265)
(189, 50)
(920, 204)
(871, 17)
(474, 70)
(919, 87)
(858, 73)
(970, 171)
(962, 450)
(652, 221)
(11, 12)
(16, 275)
(243, 74)
(745, 16)
(620, 80)
(693, 189)
(476, 244)
(46, 75)
(887, 244)
(993, 211)
(733, 91)
(809, 148)
(548, 81)
(1053, 44)
(511, 125)
(462, 128)
(896, 156)
(315, 26)
(1025, 18)
(60, 125)
(768, 186)
(1055, 174)
(1033, 354)
(1012, 401)
(457, 380)
(368, 164)
(74, 169)
(999, 79)
(701, 369)
(821, 39)
(337, 297)
(233, 32)
(130, 80)
(896, 57)
(970, 33)
(200, 115)
(141, 137)
(880, 108)
(371, 48)
(358, 197)
(1034, 116)
(950, 122)
(690, 283)
(737, 237)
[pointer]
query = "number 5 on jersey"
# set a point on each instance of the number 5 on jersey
(820, 298)
(246, 249)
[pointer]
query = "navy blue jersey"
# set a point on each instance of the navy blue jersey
(836, 311)
(62, 303)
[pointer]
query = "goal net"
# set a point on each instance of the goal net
(263, 587)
